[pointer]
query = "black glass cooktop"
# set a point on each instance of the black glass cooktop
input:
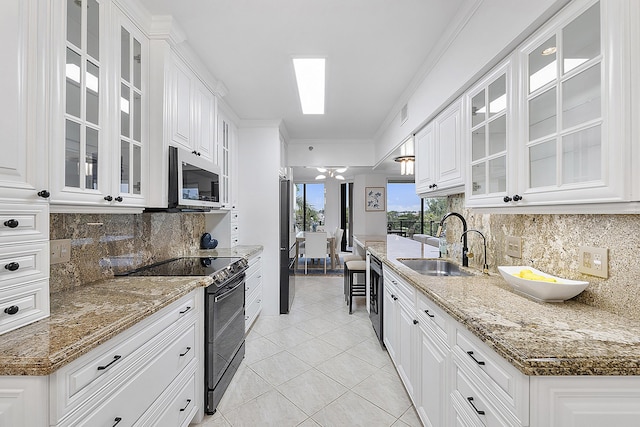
(189, 266)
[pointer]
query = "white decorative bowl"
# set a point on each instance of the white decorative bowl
(560, 290)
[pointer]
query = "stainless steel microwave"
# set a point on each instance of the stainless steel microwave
(194, 183)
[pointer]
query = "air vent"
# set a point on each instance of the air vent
(403, 114)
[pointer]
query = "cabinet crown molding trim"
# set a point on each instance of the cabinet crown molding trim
(165, 27)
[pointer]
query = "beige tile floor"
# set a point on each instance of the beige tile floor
(317, 366)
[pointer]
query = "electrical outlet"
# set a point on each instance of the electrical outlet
(514, 246)
(593, 261)
(60, 251)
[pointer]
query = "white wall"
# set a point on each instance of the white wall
(496, 27)
(367, 223)
(332, 204)
(330, 153)
(259, 205)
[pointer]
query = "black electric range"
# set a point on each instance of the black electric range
(221, 269)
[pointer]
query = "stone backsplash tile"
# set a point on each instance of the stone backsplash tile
(102, 244)
(550, 243)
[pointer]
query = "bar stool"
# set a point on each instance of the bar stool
(346, 259)
(351, 268)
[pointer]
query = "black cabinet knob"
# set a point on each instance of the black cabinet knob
(108, 198)
(12, 310)
(197, 153)
(12, 266)
(517, 198)
(12, 223)
(506, 199)
(119, 199)
(44, 194)
(415, 322)
(433, 186)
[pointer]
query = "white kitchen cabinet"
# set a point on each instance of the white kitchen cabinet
(99, 108)
(227, 153)
(492, 171)
(23, 169)
(192, 111)
(23, 401)
(569, 141)
(390, 323)
(585, 401)
(253, 291)
(150, 362)
(439, 154)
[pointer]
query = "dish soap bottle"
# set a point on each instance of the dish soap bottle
(442, 244)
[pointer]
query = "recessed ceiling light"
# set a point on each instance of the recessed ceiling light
(310, 76)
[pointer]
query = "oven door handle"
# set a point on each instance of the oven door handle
(228, 293)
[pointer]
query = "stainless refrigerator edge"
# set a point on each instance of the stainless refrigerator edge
(287, 247)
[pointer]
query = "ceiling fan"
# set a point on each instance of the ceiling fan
(332, 173)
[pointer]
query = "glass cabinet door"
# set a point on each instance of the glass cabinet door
(564, 105)
(488, 120)
(131, 97)
(82, 95)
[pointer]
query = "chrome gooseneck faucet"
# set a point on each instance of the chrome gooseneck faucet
(485, 267)
(465, 249)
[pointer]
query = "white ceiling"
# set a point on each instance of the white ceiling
(375, 50)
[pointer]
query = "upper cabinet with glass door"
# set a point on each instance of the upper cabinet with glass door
(98, 136)
(564, 138)
(79, 159)
(133, 113)
(575, 108)
(489, 121)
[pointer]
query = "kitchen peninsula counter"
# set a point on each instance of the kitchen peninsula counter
(537, 338)
(87, 316)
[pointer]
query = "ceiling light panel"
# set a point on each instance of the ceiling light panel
(310, 76)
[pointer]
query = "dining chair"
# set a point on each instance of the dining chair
(337, 245)
(315, 247)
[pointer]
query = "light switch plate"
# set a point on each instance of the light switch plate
(593, 261)
(514, 246)
(60, 251)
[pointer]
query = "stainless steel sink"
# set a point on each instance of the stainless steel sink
(434, 267)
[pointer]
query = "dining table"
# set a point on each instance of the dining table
(300, 236)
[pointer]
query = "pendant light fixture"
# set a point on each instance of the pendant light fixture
(407, 157)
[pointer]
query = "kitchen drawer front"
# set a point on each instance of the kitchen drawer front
(25, 304)
(432, 316)
(252, 308)
(73, 384)
(255, 265)
(253, 282)
(139, 385)
(23, 223)
(499, 377)
(476, 404)
(178, 404)
(401, 288)
(23, 263)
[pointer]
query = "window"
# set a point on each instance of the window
(309, 206)
(407, 214)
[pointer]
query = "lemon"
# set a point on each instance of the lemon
(530, 275)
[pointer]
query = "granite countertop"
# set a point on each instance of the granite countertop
(538, 338)
(83, 318)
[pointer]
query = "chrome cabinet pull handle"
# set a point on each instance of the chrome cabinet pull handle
(470, 399)
(115, 359)
(479, 362)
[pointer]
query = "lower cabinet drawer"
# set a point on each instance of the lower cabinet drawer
(177, 408)
(143, 383)
(252, 308)
(23, 305)
(478, 406)
(23, 263)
